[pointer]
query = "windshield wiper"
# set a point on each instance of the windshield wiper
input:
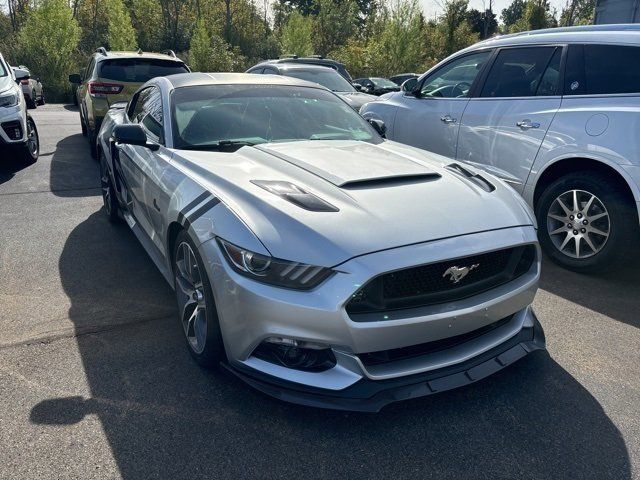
(221, 145)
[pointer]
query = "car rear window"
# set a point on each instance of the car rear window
(611, 69)
(138, 70)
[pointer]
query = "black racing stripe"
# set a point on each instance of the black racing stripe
(198, 199)
(203, 209)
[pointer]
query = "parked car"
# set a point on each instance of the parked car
(403, 77)
(376, 85)
(113, 77)
(325, 76)
(316, 60)
(319, 262)
(18, 132)
(554, 114)
(32, 90)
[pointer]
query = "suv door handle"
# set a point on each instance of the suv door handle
(527, 124)
(448, 119)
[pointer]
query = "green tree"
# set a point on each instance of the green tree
(120, 32)
(210, 53)
(484, 23)
(577, 12)
(47, 43)
(537, 14)
(146, 17)
(295, 35)
(334, 24)
(451, 33)
(513, 13)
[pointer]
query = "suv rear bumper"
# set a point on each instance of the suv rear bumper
(368, 395)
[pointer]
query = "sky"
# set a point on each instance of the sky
(431, 8)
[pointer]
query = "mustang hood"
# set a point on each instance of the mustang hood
(387, 195)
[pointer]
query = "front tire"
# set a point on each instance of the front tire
(109, 199)
(29, 151)
(585, 222)
(196, 306)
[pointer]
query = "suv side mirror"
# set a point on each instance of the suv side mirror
(357, 86)
(132, 135)
(378, 126)
(409, 85)
(21, 74)
(75, 78)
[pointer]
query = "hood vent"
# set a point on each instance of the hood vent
(391, 181)
(476, 178)
(295, 195)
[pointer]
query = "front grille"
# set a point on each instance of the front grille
(13, 129)
(442, 282)
(386, 356)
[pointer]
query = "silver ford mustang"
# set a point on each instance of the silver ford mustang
(314, 259)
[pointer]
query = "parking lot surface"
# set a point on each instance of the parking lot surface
(95, 381)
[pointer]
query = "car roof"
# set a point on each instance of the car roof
(110, 55)
(623, 33)
(298, 66)
(195, 79)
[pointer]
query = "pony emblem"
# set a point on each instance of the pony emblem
(458, 273)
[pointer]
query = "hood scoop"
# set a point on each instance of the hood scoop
(350, 164)
(390, 181)
(296, 195)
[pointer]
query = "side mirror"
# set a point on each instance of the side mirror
(357, 86)
(368, 89)
(410, 85)
(21, 74)
(378, 126)
(75, 78)
(132, 135)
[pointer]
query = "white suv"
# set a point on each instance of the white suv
(556, 114)
(18, 133)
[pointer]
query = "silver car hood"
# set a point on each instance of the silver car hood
(388, 195)
(6, 83)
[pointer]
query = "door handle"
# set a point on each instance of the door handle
(527, 124)
(448, 119)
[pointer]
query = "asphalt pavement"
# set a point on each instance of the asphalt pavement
(95, 381)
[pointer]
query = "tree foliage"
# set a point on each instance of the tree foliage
(120, 32)
(47, 42)
(295, 36)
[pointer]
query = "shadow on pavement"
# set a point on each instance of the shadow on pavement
(164, 417)
(614, 294)
(73, 172)
(9, 166)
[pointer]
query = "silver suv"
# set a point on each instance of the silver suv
(555, 114)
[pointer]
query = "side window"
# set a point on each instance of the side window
(152, 114)
(270, 71)
(135, 109)
(256, 70)
(517, 72)
(454, 79)
(611, 69)
(89, 70)
(574, 83)
(550, 81)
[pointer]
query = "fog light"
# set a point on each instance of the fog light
(296, 354)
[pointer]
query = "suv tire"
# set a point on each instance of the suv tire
(29, 151)
(603, 215)
(196, 306)
(111, 207)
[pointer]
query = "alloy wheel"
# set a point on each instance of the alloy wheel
(578, 224)
(32, 139)
(105, 184)
(192, 304)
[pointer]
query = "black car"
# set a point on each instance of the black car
(403, 77)
(376, 85)
(325, 76)
(316, 60)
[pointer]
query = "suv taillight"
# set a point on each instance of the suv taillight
(24, 82)
(104, 88)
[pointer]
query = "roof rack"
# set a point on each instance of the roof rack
(294, 56)
(140, 52)
(170, 52)
(102, 51)
(319, 57)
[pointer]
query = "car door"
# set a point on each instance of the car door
(502, 128)
(82, 93)
(430, 119)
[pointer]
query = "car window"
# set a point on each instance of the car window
(255, 70)
(135, 109)
(89, 70)
(383, 82)
(270, 71)
(3, 70)
(611, 69)
(517, 72)
(203, 116)
(454, 79)
(152, 114)
(326, 77)
(138, 70)
(550, 82)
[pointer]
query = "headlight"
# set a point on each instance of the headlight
(274, 271)
(9, 100)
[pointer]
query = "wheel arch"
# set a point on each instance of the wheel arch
(564, 166)
(173, 230)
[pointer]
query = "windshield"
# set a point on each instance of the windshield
(3, 71)
(139, 70)
(327, 78)
(383, 82)
(210, 117)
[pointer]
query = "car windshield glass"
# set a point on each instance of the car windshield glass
(138, 70)
(210, 117)
(383, 82)
(3, 71)
(327, 78)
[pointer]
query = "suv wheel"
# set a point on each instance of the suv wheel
(42, 100)
(29, 151)
(31, 100)
(196, 307)
(83, 125)
(108, 192)
(91, 136)
(585, 223)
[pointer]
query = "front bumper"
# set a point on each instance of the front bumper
(372, 395)
(10, 118)
(250, 312)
